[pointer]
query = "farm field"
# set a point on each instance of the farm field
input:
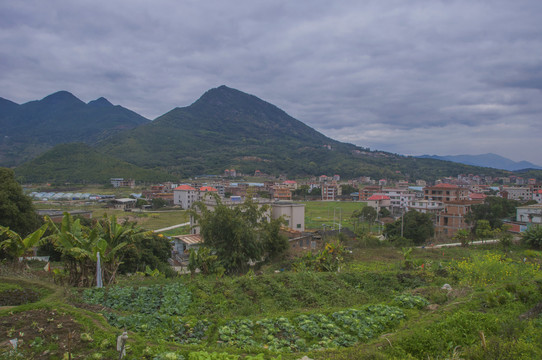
(381, 305)
(330, 213)
(151, 220)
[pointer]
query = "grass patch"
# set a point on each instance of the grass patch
(318, 213)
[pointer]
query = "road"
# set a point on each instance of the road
(479, 242)
(172, 227)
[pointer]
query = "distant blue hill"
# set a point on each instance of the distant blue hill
(486, 160)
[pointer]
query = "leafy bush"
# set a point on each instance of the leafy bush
(193, 334)
(328, 259)
(237, 333)
(491, 268)
(532, 237)
(410, 301)
(170, 299)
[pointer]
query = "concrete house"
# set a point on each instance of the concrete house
(185, 196)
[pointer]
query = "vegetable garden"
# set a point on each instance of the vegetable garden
(376, 307)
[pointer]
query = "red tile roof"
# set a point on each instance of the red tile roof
(185, 187)
(207, 188)
(289, 182)
(476, 196)
(446, 186)
(379, 197)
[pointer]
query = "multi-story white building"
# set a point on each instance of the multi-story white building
(185, 196)
(517, 193)
(399, 198)
(529, 214)
(425, 206)
(330, 191)
(294, 214)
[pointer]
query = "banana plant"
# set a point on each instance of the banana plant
(75, 242)
(16, 246)
(113, 238)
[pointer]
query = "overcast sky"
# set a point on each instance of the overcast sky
(411, 77)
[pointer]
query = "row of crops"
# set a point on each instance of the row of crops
(159, 309)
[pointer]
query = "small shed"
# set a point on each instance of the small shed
(183, 243)
(125, 204)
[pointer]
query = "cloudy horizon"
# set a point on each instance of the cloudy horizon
(417, 77)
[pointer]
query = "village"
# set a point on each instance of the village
(448, 201)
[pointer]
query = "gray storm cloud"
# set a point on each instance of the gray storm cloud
(438, 77)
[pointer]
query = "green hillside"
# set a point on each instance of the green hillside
(29, 129)
(225, 128)
(228, 128)
(79, 163)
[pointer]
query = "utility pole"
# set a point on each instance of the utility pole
(402, 221)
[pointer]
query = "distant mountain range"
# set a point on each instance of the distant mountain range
(29, 129)
(486, 160)
(224, 128)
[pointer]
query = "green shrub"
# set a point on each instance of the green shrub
(408, 301)
(532, 237)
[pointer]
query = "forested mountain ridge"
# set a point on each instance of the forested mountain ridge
(29, 129)
(226, 128)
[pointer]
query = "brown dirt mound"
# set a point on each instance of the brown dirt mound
(13, 297)
(43, 333)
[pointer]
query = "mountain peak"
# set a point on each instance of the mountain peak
(223, 95)
(61, 97)
(100, 102)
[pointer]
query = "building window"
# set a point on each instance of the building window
(299, 226)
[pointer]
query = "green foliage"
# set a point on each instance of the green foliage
(408, 301)
(80, 164)
(152, 250)
(279, 334)
(417, 227)
(193, 333)
(366, 214)
(231, 128)
(204, 260)
(328, 259)
(490, 268)
(348, 189)
(237, 333)
(14, 246)
(239, 234)
(172, 299)
(462, 236)
(460, 328)
(58, 118)
(169, 355)
(407, 262)
(16, 209)
(383, 212)
(483, 230)
(158, 203)
(80, 246)
(493, 210)
(532, 237)
(505, 238)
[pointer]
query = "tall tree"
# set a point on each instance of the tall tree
(239, 234)
(417, 227)
(494, 209)
(16, 209)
